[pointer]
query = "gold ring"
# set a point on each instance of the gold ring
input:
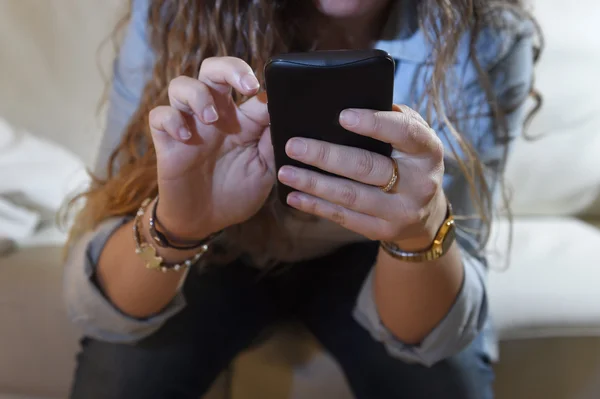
(390, 185)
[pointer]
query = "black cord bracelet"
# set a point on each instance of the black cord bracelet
(163, 241)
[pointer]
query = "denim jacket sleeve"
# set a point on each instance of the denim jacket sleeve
(86, 304)
(132, 69)
(88, 307)
(511, 77)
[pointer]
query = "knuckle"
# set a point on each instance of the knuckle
(323, 154)
(365, 165)
(237, 63)
(167, 118)
(437, 147)
(206, 63)
(176, 82)
(429, 188)
(348, 195)
(405, 109)
(153, 121)
(312, 206)
(173, 88)
(338, 215)
(197, 95)
(153, 115)
(376, 121)
(412, 113)
(312, 183)
(158, 117)
(413, 132)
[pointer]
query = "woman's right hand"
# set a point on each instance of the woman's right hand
(215, 160)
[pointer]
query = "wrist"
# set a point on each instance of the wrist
(170, 255)
(180, 229)
(423, 235)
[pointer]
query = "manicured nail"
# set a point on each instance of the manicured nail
(209, 114)
(249, 82)
(293, 199)
(185, 134)
(349, 118)
(296, 147)
(287, 174)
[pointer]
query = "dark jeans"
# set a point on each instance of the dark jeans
(229, 306)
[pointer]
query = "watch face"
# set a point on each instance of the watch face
(449, 238)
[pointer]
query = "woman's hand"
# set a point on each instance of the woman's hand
(214, 158)
(409, 214)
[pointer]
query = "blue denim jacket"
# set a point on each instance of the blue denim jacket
(507, 56)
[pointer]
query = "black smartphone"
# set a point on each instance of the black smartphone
(307, 91)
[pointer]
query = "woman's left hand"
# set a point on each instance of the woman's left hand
(409, 214)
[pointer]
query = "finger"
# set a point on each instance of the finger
(360, 223)
(354, 163)
(167, 122)
(402, 131)
(347, 193)
(224, 73)
(256, 109)
(265, 149)
(405, 109)
(193, 97)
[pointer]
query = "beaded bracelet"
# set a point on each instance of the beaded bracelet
(162, 240)
(148, 252)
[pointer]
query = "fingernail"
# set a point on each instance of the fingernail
(293, 199)
(185, 134)
(296, 147)
(209, 114)
(249, 82)
(349, 118)
(287, 174)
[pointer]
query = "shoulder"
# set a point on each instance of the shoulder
(140, 7)
(139, 15)
(504, 33)
(505, 50)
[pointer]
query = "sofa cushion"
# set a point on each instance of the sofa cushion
(560, 173)
(551, 285)
(37, 342)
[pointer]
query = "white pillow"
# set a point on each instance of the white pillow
(45, 173)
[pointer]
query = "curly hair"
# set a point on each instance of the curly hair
(183, 33)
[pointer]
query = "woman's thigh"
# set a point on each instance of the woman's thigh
(371, 372)
(227, 307)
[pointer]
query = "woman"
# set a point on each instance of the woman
(356, 260)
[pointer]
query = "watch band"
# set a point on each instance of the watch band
(444, 238)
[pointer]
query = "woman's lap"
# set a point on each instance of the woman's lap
(227, 310)
(370, 371)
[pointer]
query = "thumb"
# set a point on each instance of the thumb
(265, 151)
(255, 114)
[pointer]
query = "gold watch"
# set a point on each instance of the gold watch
(444, 238)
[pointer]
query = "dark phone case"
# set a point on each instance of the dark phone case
(307, 91)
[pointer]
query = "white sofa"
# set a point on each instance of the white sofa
(546, 305)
